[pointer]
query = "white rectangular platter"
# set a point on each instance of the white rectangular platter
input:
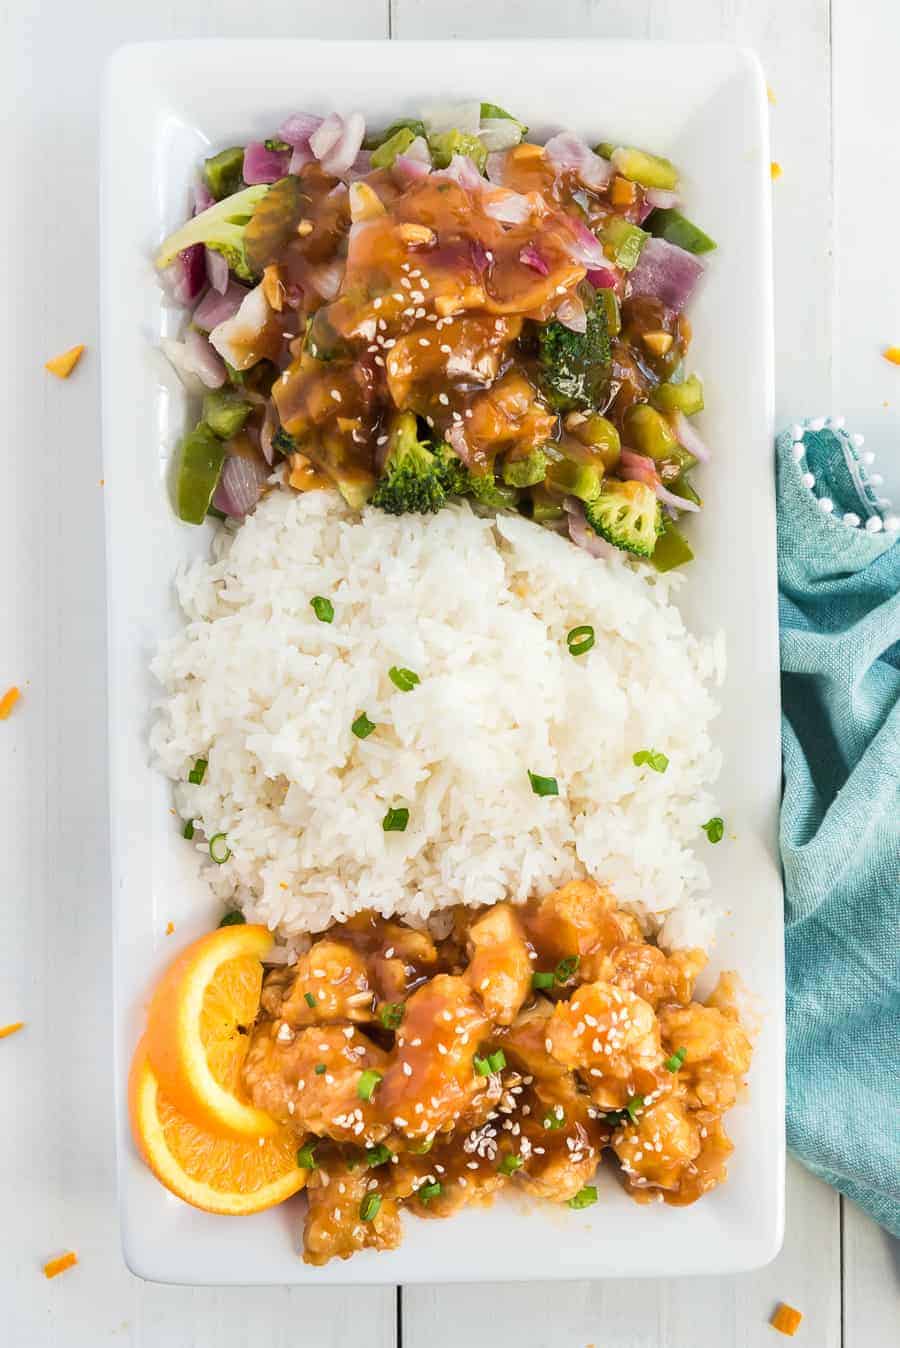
(166, 106)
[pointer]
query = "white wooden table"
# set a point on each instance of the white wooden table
(831, 64)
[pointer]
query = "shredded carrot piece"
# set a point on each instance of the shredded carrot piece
(8, 701)
(62, 366)
(55, 1266)
(786, 1320)
(892, 353)
(7, 1030)
(770, 92)
(170, 927)
(775, 169)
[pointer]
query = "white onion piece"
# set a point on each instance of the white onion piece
(194, 361)
(670, 499)
(568, 153)
(299, 127)
(499, 133)
(176, 354)
(661, 199)
(325, 137)
(240, 486)
(571, 314)
(233, 337)
(410, 170)
(216, 270)
(301, 156)
(510, 208)
(418, 149)
(495, 168)
(689, 438)
(326, 280)
(464, 171)
(585, 248)
(339, 159)
(440, 117)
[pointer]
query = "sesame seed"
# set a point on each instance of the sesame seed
(407, 1070)
(442, 398)
(379, 360)
(424, 341)
(447, 349)
(376, 304)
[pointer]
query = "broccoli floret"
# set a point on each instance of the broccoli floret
(457, 480)
(411, 482)
(282, 442)
(452, 472)
(626, 514)
(487, 491)
(221, 227)
(574, 367)
(446, 144)
(525, 472)
(356, 488)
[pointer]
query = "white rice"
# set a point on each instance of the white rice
(479, 609)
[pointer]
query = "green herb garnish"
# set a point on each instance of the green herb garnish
(188, 830)
(676, 1062)
(510, 1163)
(714, 828)
(585, 1197)
(390, 1014)
(658, 762)
(368, 1208)
(543, 786)
(322, 608)
(497, 1060)
(198, 772)
(368, 1083)
(566, 968)
(319, 1069)
(396, 819)
(580, 640)
(634, 1106)
(219, 849)
(379, 1155)
(306, 1156)
(542, 981)
(429, 1191)
(309, 999)
(362, 727)
(233, 919)
(404, 679)
(554, 1118)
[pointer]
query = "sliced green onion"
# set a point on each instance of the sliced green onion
(322, 608)
(395, 820)
(198, 771)
(422, 1147)
(580, 640)
(658, 762)
(676, 1062)
(429, 1191)
(510, 1163)
(542, 981)
(219, 849)
(482, 1066)
(368, 1083)
(634, 1106)
(714, 828)
(309, 999)
(543, 786)
(368, 1208)
(615, 1117)
(554, 1118)
(497, 1060)
(362, 727)
(390, 1014)
(306, 1156)
(188, 830)
(379, 1155)
(319, 1069)
(566, 968)
(404, 679)
(233, 919)
(584, 1198)
(352, 1161)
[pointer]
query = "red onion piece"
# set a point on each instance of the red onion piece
(298, 128)
(478, 254)
(581, 533)
(264, 166)
(585, 248)
(510, 208)
(204, 361)
(675, 502)
(326, 135)
(530, 256)
(361, 166)
(240, 486)
(203, 198)
(601, 278)
(496, 168)
(339, 158)
(568, 153)
(300, 157)
(415, 162)
(667, 272)
(234, 338)
(572, 315)
(214, 308)
(688, 437)
(640, 468)
(660, 198)
(216, 270)
(456, 439)
(464, 171)
(184, 280)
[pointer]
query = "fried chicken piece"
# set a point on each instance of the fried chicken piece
(611, 1038)
(581, 919)
(348, 1211)
(500, 968)
(658, 978)
(717, 1054)
(310, 1081)
(659, 1146)
(331, 983)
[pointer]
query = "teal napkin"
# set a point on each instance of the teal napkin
(839, 606)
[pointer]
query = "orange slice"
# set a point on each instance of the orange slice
(197, 1038)
(217, 1174)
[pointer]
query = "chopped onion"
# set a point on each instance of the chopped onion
(572, 315)
(510, 208)
(530, 256)
(688, 437)
(661, 199)
(361, 166)
(298, 128)
(499, 133)
(203, 198)
(585, 248)
(300, 157)
(185, 278)
(581, 533)
(214, 308)
(326, 135)
(268, 430)
(465, 117)
(194, 361)
(670, 499)
(340, 158)
(478, 254)
(665, 271)
(240, 486)
(409, 170)
(456, 439)
(233, 337)
(568, 153)
(418, 149)
(264, 166)
(602, 278)
(464, 171)
(640, 468)
(495, 168)
(326, 279)
(216, 270)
